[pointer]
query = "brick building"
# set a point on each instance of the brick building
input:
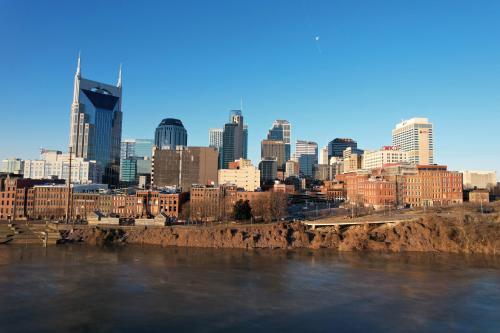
(414, 186)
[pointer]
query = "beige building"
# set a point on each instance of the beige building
(323, 155)
(245, 176)
(415, 136)
(385, 156)
(353, 159)
(292, 169)
(479, 179)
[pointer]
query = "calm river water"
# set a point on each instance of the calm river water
(91, 289)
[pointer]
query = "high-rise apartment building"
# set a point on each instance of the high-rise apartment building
(307, 155)
(337, 146)
(170, 133)
(232, 139)
(96, 124)
(184, 166)
(282, 131)
(274, 149)
(415, 136)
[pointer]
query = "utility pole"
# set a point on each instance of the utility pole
(68, 206)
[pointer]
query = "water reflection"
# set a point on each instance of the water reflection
(156, 289)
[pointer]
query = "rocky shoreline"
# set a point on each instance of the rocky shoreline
(431, 233)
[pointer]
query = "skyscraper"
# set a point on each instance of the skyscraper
(282, 130)
(96, 124)
(323, 156)
(307, 154)
(170, 133)
(215, 140)
(415, 136)
(233, 139)
(215, 137)
(245, 141)
(135, 159)
(274, 149)
(337, 146)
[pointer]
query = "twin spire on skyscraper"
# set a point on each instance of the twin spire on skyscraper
(78, 71)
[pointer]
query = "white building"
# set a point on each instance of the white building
(292, 168)
(215, 137)
(323, 155)
(56, 164)
(245, 176)
(479, 179)
(12, 165)
(386, 155)
(415, 136)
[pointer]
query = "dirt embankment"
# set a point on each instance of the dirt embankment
(471, 234)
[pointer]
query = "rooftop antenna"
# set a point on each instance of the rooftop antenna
(78, 66)
(241, 104)
(119, 84)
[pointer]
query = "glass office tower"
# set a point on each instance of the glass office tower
(96, 124)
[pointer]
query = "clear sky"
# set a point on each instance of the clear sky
(375, 63)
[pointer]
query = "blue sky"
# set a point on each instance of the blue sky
(376, 62)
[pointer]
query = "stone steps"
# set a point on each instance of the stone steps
(27, 234)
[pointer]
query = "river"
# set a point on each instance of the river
(151, 289)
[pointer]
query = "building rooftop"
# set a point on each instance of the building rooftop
(171, 121)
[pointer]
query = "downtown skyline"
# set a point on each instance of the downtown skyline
(326, 89)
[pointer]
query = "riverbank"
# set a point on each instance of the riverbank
(429, 232)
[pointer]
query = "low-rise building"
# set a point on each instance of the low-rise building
(55, 164)
(415, 186)
(479, 196)
(243, 174)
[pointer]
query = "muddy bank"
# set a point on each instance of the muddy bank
(471, 234)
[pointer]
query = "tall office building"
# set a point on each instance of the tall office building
(232, 139)
(184, 166)
(337, 146)
(96, 124)
(215, 140)
(274, 149)
(307, 154)
(135, 159)
(170, 133)
(215, 137)
(268, 170)
(245, 141)
(323, 156)
(415, 136)
(282, 130)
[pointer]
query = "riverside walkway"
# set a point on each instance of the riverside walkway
(358, 221)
